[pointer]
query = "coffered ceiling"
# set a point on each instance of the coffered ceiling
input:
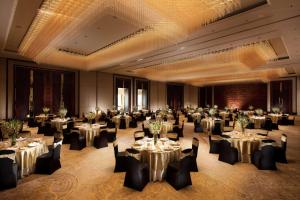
(197, 42)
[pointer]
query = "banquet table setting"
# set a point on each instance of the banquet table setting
(27, 150)
(258, 121)
(117, 119)
(90, 131)
(58, 123)
(246, 143)
(158, 155)
(208, 124)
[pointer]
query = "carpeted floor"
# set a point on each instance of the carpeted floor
(88, 174)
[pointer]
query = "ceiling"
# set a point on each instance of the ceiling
(168, 40)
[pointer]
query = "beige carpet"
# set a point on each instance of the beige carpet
(88, 174)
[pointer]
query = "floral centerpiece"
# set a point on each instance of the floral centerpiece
(226, 108)
(276, 110)
(212, 112)
(242, 121)
(200, 109)
(250, 107)
(90, 116)
(155, 128)
(62, 112)
(12, 128)
(97, 110)
(216, 107)
(46, 110)
(259, 111)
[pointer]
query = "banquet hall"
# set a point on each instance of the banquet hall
(149, 99)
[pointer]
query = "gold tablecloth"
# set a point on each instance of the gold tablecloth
(258, 121)
(27, 150)
(58, 123)
(158, 156)
(246, 144)
(90, 132)
(275, 117)
(117, 119)
(208, 124)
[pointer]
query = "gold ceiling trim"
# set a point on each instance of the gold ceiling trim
(171, 21)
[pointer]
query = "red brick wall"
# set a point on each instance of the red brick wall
(241, 95)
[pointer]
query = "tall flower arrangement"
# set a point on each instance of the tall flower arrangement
(155, 128)
(62, 112)
(276, 110)
(12, 128)
(46, 110)
(90, 116)
(259, 111)
(243, 121)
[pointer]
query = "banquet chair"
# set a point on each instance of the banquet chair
(178, 130)
(49, 162)
(227, 153)
(178, 173)
(194, 153)
(214, 145)
(172, 136)
(284, 120)
(268, 124)
(111, 124)
(8, 169)
(137, 174)
(101, 141)
(265, 158)
(31, 122)
(48, 130)
(138, 135)
(1, 137)
(122, 124)
(291, 120)
(146, 130)
(280, 152)
(190, 118)
(133, 123)
(111, 134)
(66, 134)
(217, 129)
(197, 127)
(77, 140)
(120, 158)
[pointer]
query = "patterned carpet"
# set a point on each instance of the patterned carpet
(88, 174)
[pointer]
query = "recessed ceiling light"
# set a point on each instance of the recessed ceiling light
(140, 59)
(181, 48)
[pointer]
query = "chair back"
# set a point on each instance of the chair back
(185, 164)
(268, 156)
(116, 149)
(56, 150)
(133, 153)
(224, 145)
(138, 135)
(10, 154)
(283, 141)
(195, 145)
(182, 126)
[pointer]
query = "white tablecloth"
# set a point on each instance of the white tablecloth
(58, 123)
(258, 121)
(117, 118)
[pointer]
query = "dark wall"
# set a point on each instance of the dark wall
(175, 96)
(46, 90)
(241, 95)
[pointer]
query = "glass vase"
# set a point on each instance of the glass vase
(155, 136)
(13, 140)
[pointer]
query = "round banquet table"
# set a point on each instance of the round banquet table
(27, 150)
(224, 115)
(246, 144)
(58, 123)
(258, 121)
(208, 124)
(158, 156)
(166, 127)
(117, 118)
(275, 117)
(90, 131)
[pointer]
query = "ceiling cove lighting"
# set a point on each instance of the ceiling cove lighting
(169, 22)
(240, 60)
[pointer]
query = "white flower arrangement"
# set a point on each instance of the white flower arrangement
(212, 111)
(46, 110)
(90, 116)
(215, 106)
(12, 128)
(276, 110)
(62, 112)
(226, 108)
(242, 121)
(251, 107)
(200, 109)
(155, 127)
(259, 111)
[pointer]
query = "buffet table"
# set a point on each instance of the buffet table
(158, 156)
